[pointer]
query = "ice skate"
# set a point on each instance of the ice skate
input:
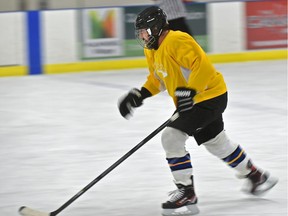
(182, 202)
(258, 182)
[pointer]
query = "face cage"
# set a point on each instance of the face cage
(149, 42)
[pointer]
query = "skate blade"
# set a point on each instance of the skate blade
(183, 211)
(264, 188)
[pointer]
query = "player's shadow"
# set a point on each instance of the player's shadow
(252, 206)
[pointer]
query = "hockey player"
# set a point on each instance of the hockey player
(178, 64)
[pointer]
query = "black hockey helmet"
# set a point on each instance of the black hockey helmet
(149, 25)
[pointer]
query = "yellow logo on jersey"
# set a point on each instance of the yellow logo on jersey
(160, 70)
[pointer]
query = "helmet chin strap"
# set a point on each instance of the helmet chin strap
(155, 44)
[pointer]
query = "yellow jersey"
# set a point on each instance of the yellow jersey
(181, 62)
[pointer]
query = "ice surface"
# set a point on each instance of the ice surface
(59, 132)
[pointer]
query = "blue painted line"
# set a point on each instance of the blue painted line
(34, 43)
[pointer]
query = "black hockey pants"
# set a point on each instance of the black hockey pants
(204, 121)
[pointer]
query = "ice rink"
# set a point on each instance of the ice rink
(59, 132)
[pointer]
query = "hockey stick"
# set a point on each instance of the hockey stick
(26, 211)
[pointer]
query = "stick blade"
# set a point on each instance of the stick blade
(26, 211)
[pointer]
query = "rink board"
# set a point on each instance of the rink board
(118, 64)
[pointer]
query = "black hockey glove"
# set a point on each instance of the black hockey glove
(184, 99)
(133, 99)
